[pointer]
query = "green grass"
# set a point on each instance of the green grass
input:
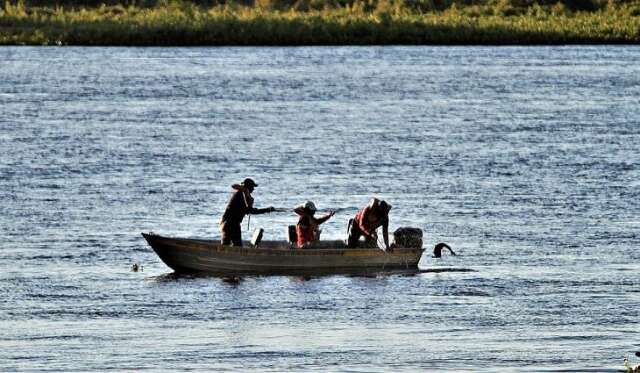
(314, 22)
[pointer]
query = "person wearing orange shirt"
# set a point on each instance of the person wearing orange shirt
(307, 226)
(367, 221)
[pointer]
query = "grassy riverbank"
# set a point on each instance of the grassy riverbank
(319, 22)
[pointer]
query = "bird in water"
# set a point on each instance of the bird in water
(136, 267)
(437, 250)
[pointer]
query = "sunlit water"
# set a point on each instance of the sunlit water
(525, 160)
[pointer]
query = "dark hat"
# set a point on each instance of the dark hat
(384, 206)
(310, 206)
(249, 183)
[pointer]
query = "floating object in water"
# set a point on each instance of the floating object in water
(232, 280)
(136, 267)
(437, 250)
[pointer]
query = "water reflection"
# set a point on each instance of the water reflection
(302, 276)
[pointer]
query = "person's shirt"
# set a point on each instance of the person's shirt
(368, 220)
(305, 230)
(307, 226)
(240, 204)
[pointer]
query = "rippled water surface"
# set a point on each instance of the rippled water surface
(525, 160)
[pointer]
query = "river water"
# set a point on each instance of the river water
(525, 160)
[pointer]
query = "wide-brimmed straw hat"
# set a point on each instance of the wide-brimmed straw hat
(307, 207)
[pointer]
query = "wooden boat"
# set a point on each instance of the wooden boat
(277, 257)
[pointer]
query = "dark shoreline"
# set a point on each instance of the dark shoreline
(190, 25)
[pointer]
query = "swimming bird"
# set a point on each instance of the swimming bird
(437, 250)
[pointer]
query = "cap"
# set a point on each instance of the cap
(310, 206)
(249, 183)
(384, 206)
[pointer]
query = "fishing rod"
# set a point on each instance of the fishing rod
(290, 209)
(324, 210)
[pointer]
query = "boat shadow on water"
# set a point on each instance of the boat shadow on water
(304, 275)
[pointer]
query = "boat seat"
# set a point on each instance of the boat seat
(328, 244)
(257, 237)
(292, 239)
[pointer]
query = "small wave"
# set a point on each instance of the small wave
(439, 270)
(48, 257)
(51, 337)
(54, 296)
(470, 293)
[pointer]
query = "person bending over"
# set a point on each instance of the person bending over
(367, 221)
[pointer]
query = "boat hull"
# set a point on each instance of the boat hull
(193, 255)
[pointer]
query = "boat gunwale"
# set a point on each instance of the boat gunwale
(287, 248)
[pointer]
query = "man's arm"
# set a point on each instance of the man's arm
(385, 233)
(254, 211)
(325, 218)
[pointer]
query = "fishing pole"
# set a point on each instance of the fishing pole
(281, 210)
(325, 210)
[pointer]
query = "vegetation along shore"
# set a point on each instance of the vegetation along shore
(319, 22)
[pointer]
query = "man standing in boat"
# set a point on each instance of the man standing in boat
(367, 221)
(241, 204)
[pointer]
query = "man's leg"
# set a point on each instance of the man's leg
(226, 237)
(236, 235)
(354, 234)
